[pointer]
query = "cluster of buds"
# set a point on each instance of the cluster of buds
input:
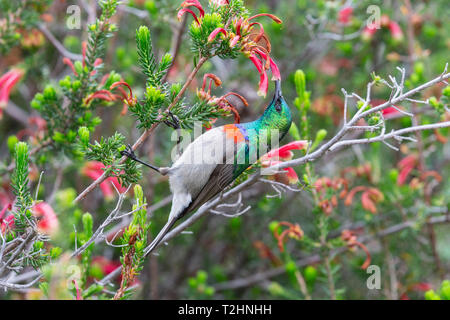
(370, 196)
(7, 83)
(326, 203)
(221, 102)
(94, 170)
(284, 153)
(292, 231)
(349, 237)
(385, 23)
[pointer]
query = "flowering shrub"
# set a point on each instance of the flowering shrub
(359, 181)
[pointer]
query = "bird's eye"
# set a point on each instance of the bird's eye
(278, 105)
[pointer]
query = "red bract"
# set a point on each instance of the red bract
(94, 170)
(345, 15)
(7, 83)
(46, 217)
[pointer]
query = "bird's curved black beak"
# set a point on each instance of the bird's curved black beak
(278, 92)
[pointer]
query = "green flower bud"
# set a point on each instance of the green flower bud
(55, 252)
(12, 140)
(76, 85)
(320, 135)
(393, 175)
(446, 91)
(78, 67)
(291, 267)
(293, 130)
(87, 224)
(310, 274)
(21, 151)
(35, 104)
(192, 283)
(276, 289)
(202, 276)
(143, 34)
(209, 291)
(272, 226)
(431, 295)
(83, 133)
(300, 83)
(49, 93)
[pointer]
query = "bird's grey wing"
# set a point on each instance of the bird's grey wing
(220, 178)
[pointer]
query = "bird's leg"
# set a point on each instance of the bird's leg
(128, 152)
(174, 123)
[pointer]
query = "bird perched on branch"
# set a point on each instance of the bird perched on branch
(217, 157)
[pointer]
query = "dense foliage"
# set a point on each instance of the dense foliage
(359, 210)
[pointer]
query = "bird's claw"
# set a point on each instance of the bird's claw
(174, 123)
(128, 152)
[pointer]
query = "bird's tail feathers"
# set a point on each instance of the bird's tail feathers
(169, 224)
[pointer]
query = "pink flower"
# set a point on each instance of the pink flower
(369, 197)
(396, 31)
(47, 219)
(94, 170)
(7, 83)
(345, 15)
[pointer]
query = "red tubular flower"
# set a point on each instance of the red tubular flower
(345, 14)
(406, 165)
(7, 83)
(293, 231)
(284, 152)
(396, 31)
(220, 2)
(214, 34)
(271, 16)
(289, 176)
(94, 170)
(191, 3)
(194, 3)
(368, 198)
(350, 238)
(47, 219)
(368, 32)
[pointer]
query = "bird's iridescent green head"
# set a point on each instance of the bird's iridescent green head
(278, 114)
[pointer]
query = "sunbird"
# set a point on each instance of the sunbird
(195, 178)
